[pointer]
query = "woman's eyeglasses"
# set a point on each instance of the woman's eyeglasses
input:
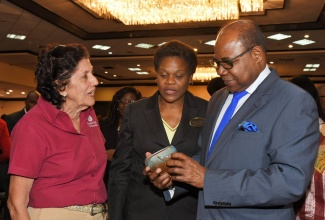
(225, 63)
(125, 101)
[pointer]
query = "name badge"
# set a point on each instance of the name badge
(197, 122)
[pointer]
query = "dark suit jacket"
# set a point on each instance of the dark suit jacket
(258, 175)
(13, 118)
(130, 192)
(110, 134)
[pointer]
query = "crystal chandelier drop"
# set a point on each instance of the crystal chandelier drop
(140, 12)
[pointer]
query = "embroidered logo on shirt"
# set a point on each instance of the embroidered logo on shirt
(91, 122)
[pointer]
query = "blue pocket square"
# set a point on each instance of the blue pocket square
(248, 126)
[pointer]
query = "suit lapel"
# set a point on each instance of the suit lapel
(212, 114)
(189, 112)
(252, 104)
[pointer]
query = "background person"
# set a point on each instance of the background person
(111, 125)
(58, 159)
(263, 160)
(5, 142)
(312, 205)
(306, 84)
(13, 118)
(321, 93)
(214, 85)
(5, 145)
(150, 125)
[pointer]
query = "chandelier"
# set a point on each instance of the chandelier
(140, 12)
(205, 74)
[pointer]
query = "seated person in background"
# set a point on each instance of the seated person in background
(58, 158)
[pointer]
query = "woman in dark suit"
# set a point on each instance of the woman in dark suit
(172, 116)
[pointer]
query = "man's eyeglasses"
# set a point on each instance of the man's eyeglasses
(225, 63)
(125, 101)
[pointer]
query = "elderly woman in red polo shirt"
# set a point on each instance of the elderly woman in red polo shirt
(58, 157)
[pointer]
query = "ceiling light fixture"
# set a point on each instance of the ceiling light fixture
(311, 67)
(16, 37)
(138, 12)
(205, 74)
(279, 36)
(101, 47)
(144, 45)
(304, 42)
(134, 69)
(211, 42)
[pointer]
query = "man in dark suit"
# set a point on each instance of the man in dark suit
(13, 118)
(263, 160)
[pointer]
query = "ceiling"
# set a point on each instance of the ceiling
(63, 21)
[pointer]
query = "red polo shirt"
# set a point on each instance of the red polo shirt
(67, 166)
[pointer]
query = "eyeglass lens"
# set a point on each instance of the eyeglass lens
(227, 64)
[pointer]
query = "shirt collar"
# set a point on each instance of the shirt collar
(61, 119)
(259, 80)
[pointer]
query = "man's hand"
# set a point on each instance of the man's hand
(184, 169)
(157, 178)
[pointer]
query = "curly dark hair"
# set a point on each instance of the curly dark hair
(56, 64)
(114, 114)
(176, 48)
